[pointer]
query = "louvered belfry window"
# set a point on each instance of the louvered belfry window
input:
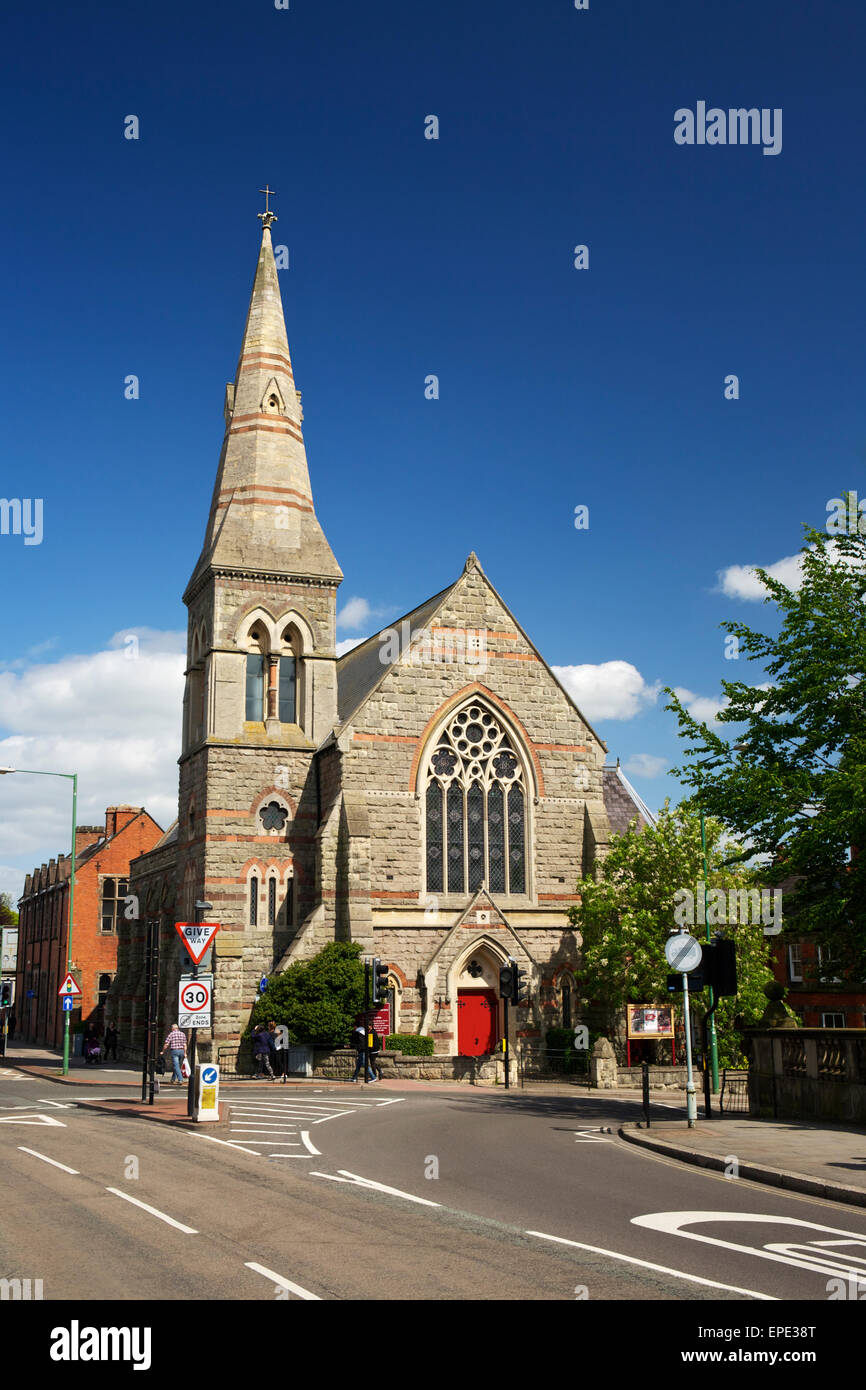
(475, 807)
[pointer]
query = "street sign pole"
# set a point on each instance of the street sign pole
(366, 1022)
(691, 1102)
(190, 1090)
(505, 1042)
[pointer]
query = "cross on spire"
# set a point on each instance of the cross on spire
(267, 216)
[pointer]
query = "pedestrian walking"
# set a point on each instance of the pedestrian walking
(110, 1041)
(263, 1048)
(90, 1046)
(375, 1049)
(280, 1057)
(359, 1042)
(175, 1044)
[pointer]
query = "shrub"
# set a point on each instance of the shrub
(413, 1044)
(317, 999)
(559, 1040)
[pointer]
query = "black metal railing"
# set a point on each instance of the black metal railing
(734, 1093)
(553, 1064)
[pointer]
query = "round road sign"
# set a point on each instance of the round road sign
(683, 952)
(195, 997)
(209, 1075)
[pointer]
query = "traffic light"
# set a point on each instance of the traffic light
(720, 966)
(696, 981)
(5, 994)
(507, 980)
(518, 982)
(379, 975)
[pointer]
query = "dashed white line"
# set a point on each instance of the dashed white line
(282, 1282)
(178, 1225)
(648, 1264)
(46, 1159)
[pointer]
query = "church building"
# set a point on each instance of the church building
(433, 794)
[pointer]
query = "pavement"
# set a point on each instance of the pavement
(826, 1161)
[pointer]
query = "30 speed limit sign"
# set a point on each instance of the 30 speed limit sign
(194, 1001)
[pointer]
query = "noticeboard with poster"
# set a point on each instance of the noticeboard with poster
(650, 1020)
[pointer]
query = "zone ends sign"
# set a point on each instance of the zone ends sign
(197, 936)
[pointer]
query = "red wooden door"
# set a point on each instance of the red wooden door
(476, 1022)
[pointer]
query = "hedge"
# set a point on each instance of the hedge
(412, 1044)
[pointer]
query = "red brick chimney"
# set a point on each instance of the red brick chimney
(116, 817)
(85, 836)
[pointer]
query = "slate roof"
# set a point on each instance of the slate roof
(361, 669)
(622, 802)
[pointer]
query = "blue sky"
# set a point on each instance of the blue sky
(409, 256)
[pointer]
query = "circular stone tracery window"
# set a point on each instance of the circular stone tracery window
(273, 816)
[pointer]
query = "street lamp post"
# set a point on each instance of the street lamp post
(711, 1025)
(73, 778)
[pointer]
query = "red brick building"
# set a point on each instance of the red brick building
(102, 858)
(819, 1000)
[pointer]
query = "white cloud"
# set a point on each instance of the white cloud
(113, 717)
(355, 613)
(741, 581)
(347, 644)
(702, 707)
(611, 690)
(646, 765)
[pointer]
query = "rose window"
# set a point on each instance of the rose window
(273, 816)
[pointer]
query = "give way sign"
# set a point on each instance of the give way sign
(197, 936)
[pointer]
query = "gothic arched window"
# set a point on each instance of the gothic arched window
(475, 807)
(288, 677)
(255, 688)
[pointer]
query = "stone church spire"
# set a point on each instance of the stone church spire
(262, 516)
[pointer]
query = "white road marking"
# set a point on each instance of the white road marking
(46, 1159)
(228, 1143)
(282, 1282)
(395, 1101)
(273, 1140)
(671, 1223)
(589, 1137)
(12, 1075)
(188, 1230)
(58, 1104)
(266, 1129)
(378, 1186)
(648, 1264)
(309, 1145)
(31, 1120)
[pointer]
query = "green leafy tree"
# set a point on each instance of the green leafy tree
(8, 915)
(626, 914)
(794, 791)
(318, 999)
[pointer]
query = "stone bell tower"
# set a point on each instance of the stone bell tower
(261, 683)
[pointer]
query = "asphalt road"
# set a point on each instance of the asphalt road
(518, 1197)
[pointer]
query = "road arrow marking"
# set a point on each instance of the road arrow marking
(31, 1120)
(818, 1256)
(353, 1179)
